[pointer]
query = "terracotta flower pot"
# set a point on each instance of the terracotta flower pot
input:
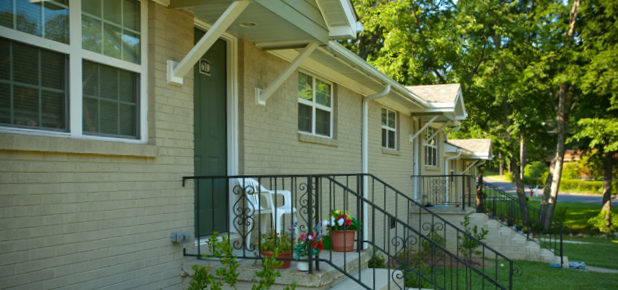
(284, 255)
(337, 240)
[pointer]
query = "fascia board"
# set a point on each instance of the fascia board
(342, 32)
(361, 65)
(450, 148)
(459, 104)
(324, 71)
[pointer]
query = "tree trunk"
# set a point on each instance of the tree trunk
(546, 196)
(561, 120)
(480, 207)
(522, 155)
(521, 193)
(501, 164)
(607, 188)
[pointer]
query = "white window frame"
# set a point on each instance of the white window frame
(428, 162)
(76, 55)
(388, 128)
(313, 104)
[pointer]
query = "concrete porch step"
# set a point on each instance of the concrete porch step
(514, 244)
(382, 277)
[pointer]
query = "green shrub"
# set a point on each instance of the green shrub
(535, 169)
(600, 223)
(377, 260)
(560, 214)
(509, 176)
(468, 246)
(570, 170)
(585, 186)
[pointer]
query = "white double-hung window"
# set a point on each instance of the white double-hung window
(389, 129)
(73, 67)
(431, 148)
(315, 106)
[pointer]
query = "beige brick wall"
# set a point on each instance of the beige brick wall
(83, 214)
(270, 142)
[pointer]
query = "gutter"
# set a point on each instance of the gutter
(365, 155)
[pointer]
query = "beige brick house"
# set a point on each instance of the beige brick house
(106, 105)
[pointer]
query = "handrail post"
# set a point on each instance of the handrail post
(310, 219)
(463, 193)
(561, 256)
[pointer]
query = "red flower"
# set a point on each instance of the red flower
(320, 245)
(348, 222)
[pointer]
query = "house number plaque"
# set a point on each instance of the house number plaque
(204, 67)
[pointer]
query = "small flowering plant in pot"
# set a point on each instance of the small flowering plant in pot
(272, 242)
(308, 243)
(342, 229)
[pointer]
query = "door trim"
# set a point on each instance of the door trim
(232, 109)
(232, 97)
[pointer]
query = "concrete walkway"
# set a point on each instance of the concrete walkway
(602, 270)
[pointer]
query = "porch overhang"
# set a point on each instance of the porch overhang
(445, 101)
(471, 149)
(267, 23)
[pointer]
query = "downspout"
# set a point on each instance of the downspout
(446, 171)
(365, 155)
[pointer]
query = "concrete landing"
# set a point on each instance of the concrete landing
(325, 278)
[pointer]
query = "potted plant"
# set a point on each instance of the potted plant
(282, 242)
(308, 243)
(342, 229)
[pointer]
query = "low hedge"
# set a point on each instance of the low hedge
(586, 186)
(580, 186)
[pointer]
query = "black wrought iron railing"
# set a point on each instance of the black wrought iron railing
(445, 190)
(506, 208)
(421, 248)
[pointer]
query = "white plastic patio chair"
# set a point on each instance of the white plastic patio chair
(269, 196)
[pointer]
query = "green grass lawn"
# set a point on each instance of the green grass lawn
(602, 253)
(534, 275)
(538, 275)
(577, 215)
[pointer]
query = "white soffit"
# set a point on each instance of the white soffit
(265, 21)
(340, 17)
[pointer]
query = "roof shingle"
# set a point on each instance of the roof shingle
(436, 93)
(479, 146)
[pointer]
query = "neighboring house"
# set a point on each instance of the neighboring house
(106, 105)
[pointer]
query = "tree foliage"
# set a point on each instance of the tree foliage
(529, 69)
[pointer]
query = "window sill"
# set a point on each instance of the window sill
(317, 140)
(78, 146)
(390, 151)
(432, 168)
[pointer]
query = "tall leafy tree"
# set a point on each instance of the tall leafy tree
(602, 135)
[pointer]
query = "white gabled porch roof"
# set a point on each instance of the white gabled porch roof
(471, 149)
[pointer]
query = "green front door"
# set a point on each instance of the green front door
(211, 138)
